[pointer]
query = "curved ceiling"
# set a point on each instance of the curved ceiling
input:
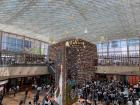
(55, 20)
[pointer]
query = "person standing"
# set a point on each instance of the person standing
(1, 98)
(36, 98)
(137, 102)
(95, 98)
(17, 88)
(14, 91)
(21, 102)
(30, 103)
(129, 102)
(26, 93)
(30, 92)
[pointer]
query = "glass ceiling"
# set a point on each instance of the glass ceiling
(55, 20)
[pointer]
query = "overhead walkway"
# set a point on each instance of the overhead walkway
(121, 70)
(25, 70)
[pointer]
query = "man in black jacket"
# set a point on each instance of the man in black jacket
(1, 98)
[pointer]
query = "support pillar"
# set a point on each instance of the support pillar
(108, 61)
(128, 55)
(139, 54)
(1, 47)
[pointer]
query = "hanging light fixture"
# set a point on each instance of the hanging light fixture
(85, 31)
(86, 24)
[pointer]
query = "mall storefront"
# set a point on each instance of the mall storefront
(3, 84)
(131, 79)
(6, 86)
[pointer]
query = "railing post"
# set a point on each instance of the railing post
(128, 55)
(108, 61)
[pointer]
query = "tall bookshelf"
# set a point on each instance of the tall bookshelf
(78, 58)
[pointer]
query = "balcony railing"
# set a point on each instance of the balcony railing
(118, 61)
(23, 65)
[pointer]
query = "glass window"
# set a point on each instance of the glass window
(133, 42)
(117, 53)
(46, 49)
(123, 44)
(27, 45)
(32, 46)
(4, 38)
(42, 48)
(104, 45)
(118, 49)
(124, 52)
(115, 44)
(37, 47)
(19, 45)
(137, 47)
(99, 46)
(105, 54)
(123, 49)
(4, 41)
(133, 52)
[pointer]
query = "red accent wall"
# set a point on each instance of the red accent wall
(133, 79)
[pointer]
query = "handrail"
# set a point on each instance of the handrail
(53, 69)
(17, 65)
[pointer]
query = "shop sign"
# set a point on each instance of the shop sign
(3, 82)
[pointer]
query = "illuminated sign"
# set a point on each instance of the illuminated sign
(75, 42)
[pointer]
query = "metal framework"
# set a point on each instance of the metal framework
(43, 19)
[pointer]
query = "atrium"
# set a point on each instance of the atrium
(69, 52)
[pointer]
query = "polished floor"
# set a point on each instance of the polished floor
(14, 100)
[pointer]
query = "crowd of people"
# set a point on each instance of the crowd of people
(95, 92)
(108, 93)
(48, 99)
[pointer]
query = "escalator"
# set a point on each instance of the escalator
(51, 68)
(52, 71)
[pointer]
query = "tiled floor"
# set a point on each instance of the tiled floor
(14, 100)
(92, 103)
